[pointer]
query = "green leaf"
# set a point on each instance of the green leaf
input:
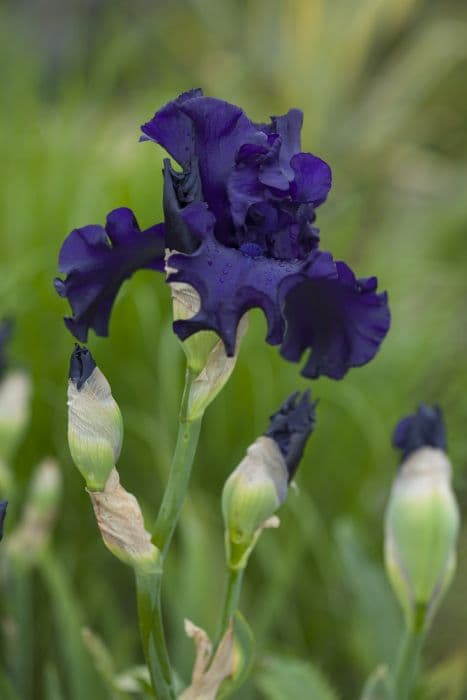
(244, 656)
(285, 677)
(377, 686)
(374, 628)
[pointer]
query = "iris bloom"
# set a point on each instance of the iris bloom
(239, 224)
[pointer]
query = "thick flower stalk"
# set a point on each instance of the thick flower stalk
(239, 228)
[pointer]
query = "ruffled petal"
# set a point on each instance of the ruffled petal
(229, 283)
(312, 179)
(288, 127)
(220, 129)
(172, 129)
(180, 190)
(97, 261)
(341, 319)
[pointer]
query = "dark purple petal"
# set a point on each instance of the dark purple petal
(312, 181)
(180, 190)
(288, 127)
(229, 283)
(425, 428)
(220, 129)
(82, 365)
(172, 129)
(291, 427)
(339, 318)
(244, 189)
(97, 261)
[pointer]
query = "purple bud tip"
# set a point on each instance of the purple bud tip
(291, 427)
(81, 366)
(3, 507)
(425, 428)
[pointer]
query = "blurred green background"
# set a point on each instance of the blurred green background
(382, 84)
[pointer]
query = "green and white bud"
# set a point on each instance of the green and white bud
(15, 399)
(121, 524)
(251, 495)
(95, 425)
(422, 524)
(259, 485)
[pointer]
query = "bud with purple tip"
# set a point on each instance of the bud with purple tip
(259, 485)
(422, 517)
(95, 425)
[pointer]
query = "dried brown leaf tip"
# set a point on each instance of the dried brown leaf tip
(209, 671)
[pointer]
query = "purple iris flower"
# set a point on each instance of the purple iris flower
(425, 428)
(240, 221)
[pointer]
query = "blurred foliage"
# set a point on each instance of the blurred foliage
(382, 86)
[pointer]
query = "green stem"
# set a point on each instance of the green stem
(408, 660)
(149, 585)
(232, 589)
(148, 588)
(180, 470)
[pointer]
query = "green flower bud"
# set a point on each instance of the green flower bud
(15, 394)
(422, 520)
(259, 485)
(95, 425)
(253, 492)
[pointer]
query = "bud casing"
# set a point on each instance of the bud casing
(121, 524)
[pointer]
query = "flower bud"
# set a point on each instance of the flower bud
(15, 390)
(422, 518)
(259, 485)
(95, 425)
(121, 524)
(15, 393)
